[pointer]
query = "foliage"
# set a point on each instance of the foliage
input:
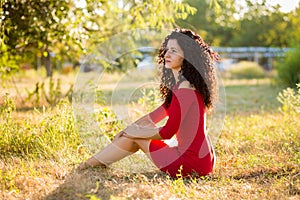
(290, 100)
(47, 138)
(246, 70)
(52, 95)
(7, 108)
(147, 100)
(34, 27)
(212, 23)
(257, 154)
(108, 122)
(29, 23)
(289, 70)
(294, 28)
(261, 25)
(13, 141)
(67, 29)
(255, 23)
(114, 34)
(8, 64)
(150, 99)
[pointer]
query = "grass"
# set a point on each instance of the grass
(245, 69)
(251, 95)
(258, 149)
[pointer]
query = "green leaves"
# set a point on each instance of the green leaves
(68, 28)
(289, 69)
(290, 100)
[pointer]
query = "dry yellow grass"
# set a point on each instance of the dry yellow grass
(258, 157)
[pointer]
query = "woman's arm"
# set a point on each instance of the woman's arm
(145, 121)
(153, 117)
(145, 126)
(136, 131)
(158, 114)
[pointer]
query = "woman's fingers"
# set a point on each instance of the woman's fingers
(120, 134)
(128, 136)
(129, 132)
(132, 130)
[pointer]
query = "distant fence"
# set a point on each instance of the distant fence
(261, 55)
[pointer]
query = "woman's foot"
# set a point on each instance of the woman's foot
(92, 162)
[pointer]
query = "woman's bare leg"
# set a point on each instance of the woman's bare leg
(118, 149)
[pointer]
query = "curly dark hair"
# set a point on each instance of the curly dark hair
(197, 68)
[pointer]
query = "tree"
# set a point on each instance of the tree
(106, 20)
(261, 25)
(214, 20)
(50, 26)
(288, 69)
(294, 28)
(31, 26)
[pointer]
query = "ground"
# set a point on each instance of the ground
(257, 150)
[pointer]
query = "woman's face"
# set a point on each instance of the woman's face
(173, 56)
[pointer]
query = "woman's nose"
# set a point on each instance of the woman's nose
(167, 54)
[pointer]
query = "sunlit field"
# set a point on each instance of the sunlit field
(41, 143)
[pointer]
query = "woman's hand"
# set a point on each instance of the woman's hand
(120, 134)
(145, 121)
(136, 131)
(128, 136)
(132, 131)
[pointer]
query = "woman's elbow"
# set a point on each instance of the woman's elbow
(166, 136)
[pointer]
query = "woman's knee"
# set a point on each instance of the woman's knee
(143, 144)
(126, 143)
(136, 143)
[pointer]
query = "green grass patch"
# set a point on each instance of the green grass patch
(255, 95)
(245, 70)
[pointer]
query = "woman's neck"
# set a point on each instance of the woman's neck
(175, 74)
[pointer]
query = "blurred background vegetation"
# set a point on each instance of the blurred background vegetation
(54, 34)
(41, 140)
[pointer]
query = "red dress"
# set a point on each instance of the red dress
(186, 120)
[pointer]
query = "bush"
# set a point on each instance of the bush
(49, 137)
(52, 93)
(246, 70)
(8, 63)
(290, 100)
(289, 69)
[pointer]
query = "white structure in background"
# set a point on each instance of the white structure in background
(147, 61)
(256, 54)
(230, 55)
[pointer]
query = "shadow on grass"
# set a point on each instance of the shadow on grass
(290, 174)
(99, 183)
(106, 184)
(268, 173)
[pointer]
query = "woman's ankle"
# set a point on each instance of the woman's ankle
(94, 162)
(90, 163)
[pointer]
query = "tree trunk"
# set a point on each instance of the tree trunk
(47, 62)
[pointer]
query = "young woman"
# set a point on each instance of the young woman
(188, 88)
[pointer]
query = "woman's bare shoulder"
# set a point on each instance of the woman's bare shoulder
(185, 84)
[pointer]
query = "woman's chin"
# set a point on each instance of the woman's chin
(168, 66)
